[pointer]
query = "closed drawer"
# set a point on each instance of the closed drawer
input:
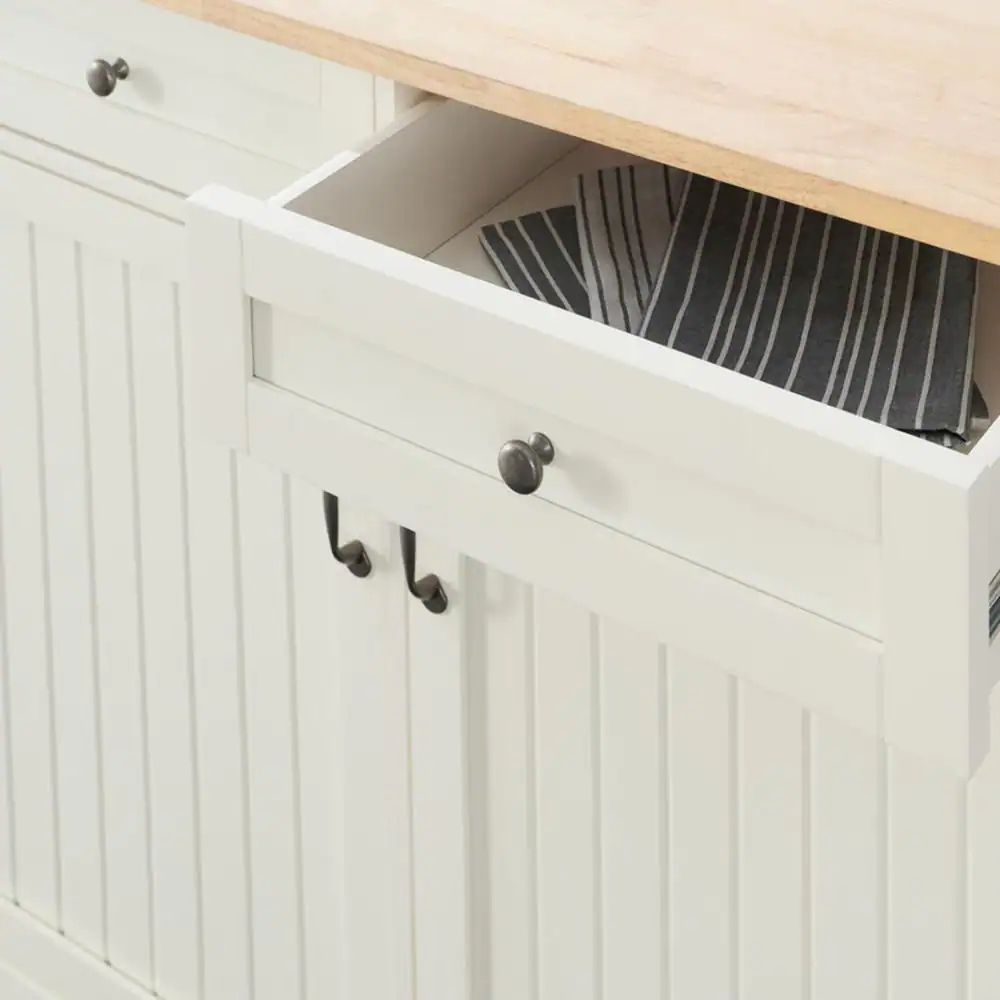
(841, 562)
(199, 102)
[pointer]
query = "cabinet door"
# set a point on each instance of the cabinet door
(177, 645)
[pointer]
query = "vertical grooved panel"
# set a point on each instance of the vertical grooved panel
(217, 632)
(510, 774)
(321, 759)
(926, 882)
(67, 479)
(773, 855)
(567, 763)
(118, 620)
(8, 878)
(476, 667)
(162, 489)
(844, 822)
(369, 619)
(271, 720)
(699, 778)
(28, 637)
(631, 841)
(439, 792)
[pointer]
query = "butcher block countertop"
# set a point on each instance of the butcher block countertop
(882, 111)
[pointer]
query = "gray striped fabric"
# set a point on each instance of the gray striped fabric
(625, 215)
(539, 255)
(794, 303)
(868, 322)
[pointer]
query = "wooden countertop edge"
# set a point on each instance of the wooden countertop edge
(918, 222)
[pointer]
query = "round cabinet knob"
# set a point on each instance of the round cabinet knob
(522, 463)
(103, 77)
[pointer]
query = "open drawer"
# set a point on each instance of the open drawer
(353, 332)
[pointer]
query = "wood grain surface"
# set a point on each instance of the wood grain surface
(882, 111)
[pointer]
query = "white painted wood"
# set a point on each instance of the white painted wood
(372, 644)
(817, 664)
(393, 99)
(508, 685)
(271, 720)
(830, 572)
(774, 861)
(52, 967)
(91, 174)
(567, 744)
(319, 670)
(155, 150)
(458, 157)
(108, 338)
(168, 84)
(440, 784)
(28, 639)
(74, 210)
(16, 987)
(349, 99)
(937, 679)
(7, 843)
(217, 634)
(633, 804)
(702, 817)
(927, 886)
(220, 322)
(242, 59)
(65, 441)
(983, 872)
(218, 673)
(847, 825)
(166, 594)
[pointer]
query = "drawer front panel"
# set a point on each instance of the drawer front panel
(173, 157)
(220, 94)
(828, 571)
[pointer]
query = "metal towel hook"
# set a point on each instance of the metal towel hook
(353, 554)
(427, 589)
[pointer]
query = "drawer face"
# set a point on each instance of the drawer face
(353, 331)
(825, 569)
(213, 92)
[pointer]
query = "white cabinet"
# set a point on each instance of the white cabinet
(174, 632)
(231, 768)
(645, 752)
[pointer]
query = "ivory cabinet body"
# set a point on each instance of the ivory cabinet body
(644, 753)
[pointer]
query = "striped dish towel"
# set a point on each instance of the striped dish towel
(626, 216)
(539, 255)
(762, 283)
(871, 323)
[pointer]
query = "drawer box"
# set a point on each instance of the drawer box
(351, 331)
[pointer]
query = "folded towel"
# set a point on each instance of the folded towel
(872, 323)
(539, 255)
(776, 299)
(625, 215)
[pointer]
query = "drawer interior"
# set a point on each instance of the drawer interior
(428, 185)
